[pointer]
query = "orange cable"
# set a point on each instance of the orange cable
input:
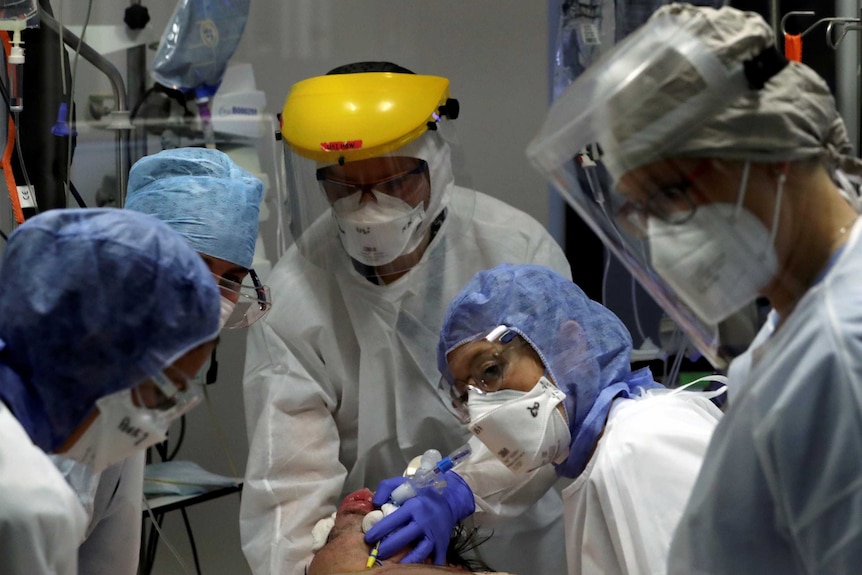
(6, 161)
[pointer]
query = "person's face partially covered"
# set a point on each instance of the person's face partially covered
(346, 552)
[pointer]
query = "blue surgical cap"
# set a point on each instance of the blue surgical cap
(584, 347)
(202, 194)
(94, 301)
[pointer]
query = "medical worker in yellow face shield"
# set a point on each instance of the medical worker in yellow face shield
(341, 383)
(726, 183)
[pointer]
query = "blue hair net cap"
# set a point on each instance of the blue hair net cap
(93, 301)
(202, 194)
(585, 348)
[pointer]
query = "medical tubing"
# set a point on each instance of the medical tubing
(206, 122)
(635, 311)
(606, 268)
(372, 557)
(21, 158)
(60, 50)
(117, 86)
(71, 134)
(90, 54)
(5, 94)
(673, 377)
(422, 478)
(428, 477)
(162, 537)
(605, 273)
(16, 83)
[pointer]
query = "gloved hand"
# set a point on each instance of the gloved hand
(425, 520)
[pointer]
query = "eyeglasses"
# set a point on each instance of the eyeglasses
(173, 393)
(403, 186)
(252, 302)
(487, 372)
(672, 204)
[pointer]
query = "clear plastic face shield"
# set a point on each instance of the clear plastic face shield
(604, 146)
(368, 188)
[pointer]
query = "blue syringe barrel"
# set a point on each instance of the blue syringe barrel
(456, 456)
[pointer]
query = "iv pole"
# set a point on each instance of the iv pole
(120, 114)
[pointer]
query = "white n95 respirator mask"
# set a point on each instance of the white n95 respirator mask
(121, 429)
(225, 310)
(525, 430)
(717, 261)
(376, 232)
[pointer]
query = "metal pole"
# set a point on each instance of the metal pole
(118, 87)
(774, 19)
(847, 74)
(136, 71)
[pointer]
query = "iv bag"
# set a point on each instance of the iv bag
(198, 41)
(17, 10)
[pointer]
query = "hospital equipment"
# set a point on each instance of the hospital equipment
(14, 16)
(118, 120)
(200, 38)
(429, 477)
(429, 474)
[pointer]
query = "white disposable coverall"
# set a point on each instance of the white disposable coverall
(780, 490)
(622, 510)
(342, 390)
(113, 503)
(113, 542)
(41, 521)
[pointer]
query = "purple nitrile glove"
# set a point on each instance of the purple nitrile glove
(425, 521)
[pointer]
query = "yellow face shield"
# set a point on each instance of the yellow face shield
(341, 118)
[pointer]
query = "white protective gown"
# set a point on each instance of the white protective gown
(621, 512)
(113, 501)
(113, 542)
(781, 487)
(41, 521)
(342, 390)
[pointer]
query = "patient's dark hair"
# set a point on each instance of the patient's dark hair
(461, 546)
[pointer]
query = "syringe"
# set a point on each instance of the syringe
(424, 477)
(429, 477)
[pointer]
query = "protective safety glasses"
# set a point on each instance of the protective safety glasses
(170, 393)
(404, 186)
(251, 302)
(487, 367)
(672, 204)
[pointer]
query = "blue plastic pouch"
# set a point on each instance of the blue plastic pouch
(198, 42)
